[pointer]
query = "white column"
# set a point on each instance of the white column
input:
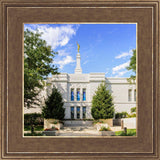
(81, 93)
(81, 113)
(75, 94)
(78, 69)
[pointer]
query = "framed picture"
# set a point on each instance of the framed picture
(137, 24)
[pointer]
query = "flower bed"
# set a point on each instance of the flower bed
(51, 131)
(106, 131)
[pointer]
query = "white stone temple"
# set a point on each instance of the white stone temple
(78, 89)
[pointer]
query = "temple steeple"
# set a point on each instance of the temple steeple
(78, 69)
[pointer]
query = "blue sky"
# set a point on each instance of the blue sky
(104, 48)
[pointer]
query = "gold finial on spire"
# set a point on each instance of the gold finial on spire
(78, 47)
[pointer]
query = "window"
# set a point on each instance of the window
(135, 95)
(72, 94)
(84, 112)
(84, 94)
(78, 94)
(129, 95)
(78, 112)
(72, 112)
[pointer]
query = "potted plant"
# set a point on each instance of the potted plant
(51, 131)
(106, 131)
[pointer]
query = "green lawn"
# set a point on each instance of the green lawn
(130, 132)
(34, 134)
(36, 128)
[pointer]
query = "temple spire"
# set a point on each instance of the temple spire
(78, 69)
(78, 47)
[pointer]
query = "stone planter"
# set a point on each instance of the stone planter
(49, 123)
(99, 125)
(107, 133)
(50, 133)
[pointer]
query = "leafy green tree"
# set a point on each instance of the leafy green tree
(132, 67)
(102, 105)
(54, 106)
(38, 64)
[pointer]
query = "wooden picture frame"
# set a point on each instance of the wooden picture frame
(14, 13)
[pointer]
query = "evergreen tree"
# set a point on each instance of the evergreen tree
(54, 106)
(102, 105)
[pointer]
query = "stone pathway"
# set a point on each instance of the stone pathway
(79, 131)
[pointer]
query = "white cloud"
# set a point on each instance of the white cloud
(124, 54)
(62, 53)
(119, 74)
(120, 67)
(55, 36)
(66, 60)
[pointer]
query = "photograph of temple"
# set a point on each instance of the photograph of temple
(80, 80)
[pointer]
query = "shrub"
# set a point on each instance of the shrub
(54, 106)
(33, 119)
(97, 121)
(55, 122)
(131, 115)
(133, 109)
(102, 105)
(121, 115)
(105, 129)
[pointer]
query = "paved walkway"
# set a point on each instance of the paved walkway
(79, 131)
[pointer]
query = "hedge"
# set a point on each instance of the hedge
(33, 118)
(121, 115)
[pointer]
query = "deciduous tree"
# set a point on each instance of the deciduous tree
(132, 67)
(38, 64)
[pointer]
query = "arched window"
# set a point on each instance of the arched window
(129, 95)
(84, 112)
(84, 94)
(78, 94)
(72, 112)
(78, 112)
(72, 94)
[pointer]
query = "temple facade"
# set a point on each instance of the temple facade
(78, 89)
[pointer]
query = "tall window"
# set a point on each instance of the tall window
(78, 94)
(135, 95)
(84, 112)
(129, 95)
(72, 94)
(78, 112)
(84, 94)
(72, 112)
